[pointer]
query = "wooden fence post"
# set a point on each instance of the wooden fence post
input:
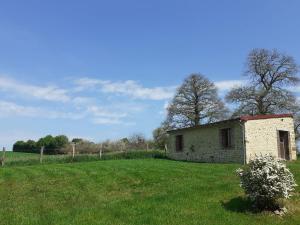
(100, 151)
(73, 150)
(3, 156)
(41, 154)
(166, 149)
(124, 146)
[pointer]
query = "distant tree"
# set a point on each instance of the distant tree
(61, 141)
(19, 146)
(31, 146)
(196, 102)
(52, 144)
(297, 126)
(160, 136)
(137, 141)
(270, 75)
(28, 146)
(46, 141)
(77, 140)
(124, 140)
(124, 143)
(85, 146)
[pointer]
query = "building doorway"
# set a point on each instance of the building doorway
(283, 148)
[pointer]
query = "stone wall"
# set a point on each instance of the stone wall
(261, 136)
(202, 144)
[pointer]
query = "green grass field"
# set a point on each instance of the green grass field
(137, 191)
(22, 159)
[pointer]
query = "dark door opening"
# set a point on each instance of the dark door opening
(179, 143)
(283, 150)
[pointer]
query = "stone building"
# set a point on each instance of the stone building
(235, 140)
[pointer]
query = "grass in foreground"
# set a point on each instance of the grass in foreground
(143, 191)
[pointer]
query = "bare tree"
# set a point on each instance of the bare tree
(137, 141)
(297, 126)
(196, 101)
(270, 74)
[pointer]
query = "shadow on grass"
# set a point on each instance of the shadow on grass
(239, 204)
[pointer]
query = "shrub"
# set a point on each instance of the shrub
(19, 146)
(266, 180)
(53, 145)
(61, 141)
(22, 146)
(84, 147)
(114, 146)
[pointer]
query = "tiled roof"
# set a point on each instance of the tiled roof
(260, 117)
(241, 118)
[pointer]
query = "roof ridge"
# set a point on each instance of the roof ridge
(265, 116)
(241, 118)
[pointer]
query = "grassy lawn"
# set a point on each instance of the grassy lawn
(140, 191)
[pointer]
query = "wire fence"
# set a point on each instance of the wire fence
(9, 158)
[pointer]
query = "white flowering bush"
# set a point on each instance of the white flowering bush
(265, 180)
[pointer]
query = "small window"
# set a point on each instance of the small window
(225, 137)
(179, 143)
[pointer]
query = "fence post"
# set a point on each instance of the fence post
(124, 147)
(166, 149)
(41, 154)
(100, 151)
(73, 150)
(3, 156)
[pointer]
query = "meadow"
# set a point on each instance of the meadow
(129, 191)
(22, 159)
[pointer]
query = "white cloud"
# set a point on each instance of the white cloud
(82, 102)
(226, 85)
(296, 89)
(129, 88)
(8, 137)
(135, 90)
(86, 83)
(107, 121)
(96, 114)
(88, 107)
(8, 109)
(106, 116)
(100, 111)
(165, 109)
(49, 93)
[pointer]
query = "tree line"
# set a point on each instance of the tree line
(271, 76)
(52, 144)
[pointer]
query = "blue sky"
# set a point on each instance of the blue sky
(106, 69)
